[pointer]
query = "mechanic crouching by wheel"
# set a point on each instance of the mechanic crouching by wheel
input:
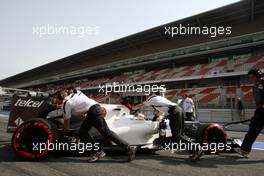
(257, 121)
(78, 104)
(175, 114)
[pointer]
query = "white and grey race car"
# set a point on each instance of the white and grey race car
(41, 124)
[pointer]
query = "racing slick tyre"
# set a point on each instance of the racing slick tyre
(30, 135)
(211, 134)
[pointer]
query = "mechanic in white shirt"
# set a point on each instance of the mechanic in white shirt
(175, 115)
(188, 108)
(165, 106)
(78, 104)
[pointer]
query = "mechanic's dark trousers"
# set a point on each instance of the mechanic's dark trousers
(176, 118)
(255, 127)
(96, 119)
(189, 116)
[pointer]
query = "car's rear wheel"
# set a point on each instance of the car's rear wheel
(31, 139)
(212, 134)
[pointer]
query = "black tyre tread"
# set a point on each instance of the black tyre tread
(51, 126)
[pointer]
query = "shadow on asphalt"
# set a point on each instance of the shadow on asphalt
(211, 161)
(118, 156)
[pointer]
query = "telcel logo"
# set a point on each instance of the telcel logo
(28, 103)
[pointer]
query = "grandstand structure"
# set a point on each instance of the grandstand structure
(212, 70)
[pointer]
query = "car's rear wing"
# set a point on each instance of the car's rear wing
(24, 108)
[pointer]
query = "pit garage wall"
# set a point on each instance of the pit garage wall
(222, 115)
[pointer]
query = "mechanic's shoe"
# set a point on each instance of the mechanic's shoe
(97, 156)
(196, 155)
(242, 152)
(131, 153)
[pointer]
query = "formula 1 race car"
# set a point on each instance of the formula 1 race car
(35, 121)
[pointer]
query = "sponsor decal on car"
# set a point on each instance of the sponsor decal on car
(28, 103)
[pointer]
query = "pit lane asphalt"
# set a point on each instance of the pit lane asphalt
(158, 163)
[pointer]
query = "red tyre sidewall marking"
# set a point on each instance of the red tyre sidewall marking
(205, 135)
(20, 130)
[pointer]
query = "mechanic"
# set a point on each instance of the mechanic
(175, 114)
(257, 121)
(188, 107)
(80, 105)
(70, 90)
